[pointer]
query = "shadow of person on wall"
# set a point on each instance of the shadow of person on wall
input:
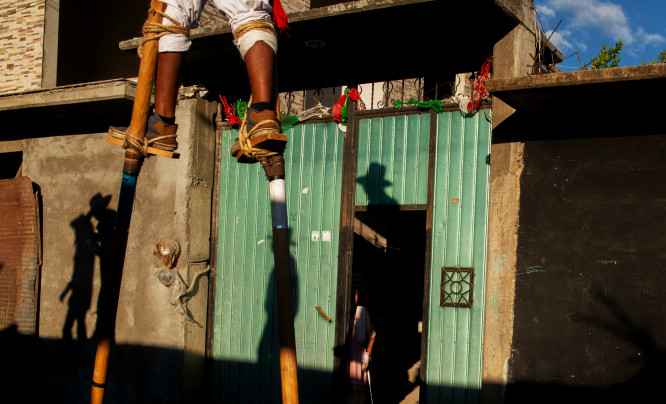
(91, 240)
(650, 360)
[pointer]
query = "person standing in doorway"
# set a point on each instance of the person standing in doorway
(361, 341)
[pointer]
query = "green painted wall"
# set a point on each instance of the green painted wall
(459, 233)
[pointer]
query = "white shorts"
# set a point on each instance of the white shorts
(187, 13)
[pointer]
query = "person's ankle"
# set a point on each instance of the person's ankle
(167, 120)
(261, 106)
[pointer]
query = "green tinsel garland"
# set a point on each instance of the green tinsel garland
(436, 105)
(287, 121)
(241, 109)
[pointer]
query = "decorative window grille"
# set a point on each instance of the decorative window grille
(457, 287)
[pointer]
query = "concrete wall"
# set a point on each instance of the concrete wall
(589, 314)
(21, 33)
(159, 353)
(510, 59)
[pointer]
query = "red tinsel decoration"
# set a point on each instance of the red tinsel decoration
(232, 118)
(480, 86)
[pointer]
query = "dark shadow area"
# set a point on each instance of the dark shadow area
(389, 277)
(600, 101)
(68, 119)
(373, 56)
(92, 234)
(561, 122)
(630, 371)
(10, 163)
(589, 270)
(145, 374)
(324, 3)
(88, 37)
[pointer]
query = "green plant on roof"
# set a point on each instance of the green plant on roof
(660, 59)
(607, 57)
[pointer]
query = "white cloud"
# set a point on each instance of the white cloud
(566, 40)
(560, 39)
(545, 11)
(643, 39)
(649, 39)
(607, 17)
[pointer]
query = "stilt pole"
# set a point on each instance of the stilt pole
(274, 168)
(132, 166)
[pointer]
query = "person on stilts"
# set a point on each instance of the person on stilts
(255, 36)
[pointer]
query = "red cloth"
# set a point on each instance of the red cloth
(280, 17)
(337, 108)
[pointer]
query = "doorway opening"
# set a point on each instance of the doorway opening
(388, 271)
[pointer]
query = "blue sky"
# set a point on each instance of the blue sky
(641, 24)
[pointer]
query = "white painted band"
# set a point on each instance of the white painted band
(276, 189)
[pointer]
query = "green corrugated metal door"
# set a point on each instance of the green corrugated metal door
(459, 232)
(246, 359)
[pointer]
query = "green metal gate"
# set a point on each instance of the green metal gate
(246, 360)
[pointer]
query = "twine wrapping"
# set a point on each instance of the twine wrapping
(260, 25)
(160, 30)
(244, 137)
(139, 145)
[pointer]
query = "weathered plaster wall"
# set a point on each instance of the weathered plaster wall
(510, 59)
(21, 33)
(159, 354)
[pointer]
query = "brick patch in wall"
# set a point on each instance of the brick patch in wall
(22, 24)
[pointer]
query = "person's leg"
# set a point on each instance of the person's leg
(260, 63)
(256, 40)
(161, 129)
(167, 78)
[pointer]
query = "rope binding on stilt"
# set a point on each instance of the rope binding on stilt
(139, 145)
(160, 29)
(273, 165)
(244, 136)
(259, 25)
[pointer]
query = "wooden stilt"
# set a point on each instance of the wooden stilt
(109, 295)
(283, 281)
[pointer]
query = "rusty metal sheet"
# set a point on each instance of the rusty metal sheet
(19, 255)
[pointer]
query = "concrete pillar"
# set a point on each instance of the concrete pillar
(511, 58)
(198, 118)
(50, 62)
